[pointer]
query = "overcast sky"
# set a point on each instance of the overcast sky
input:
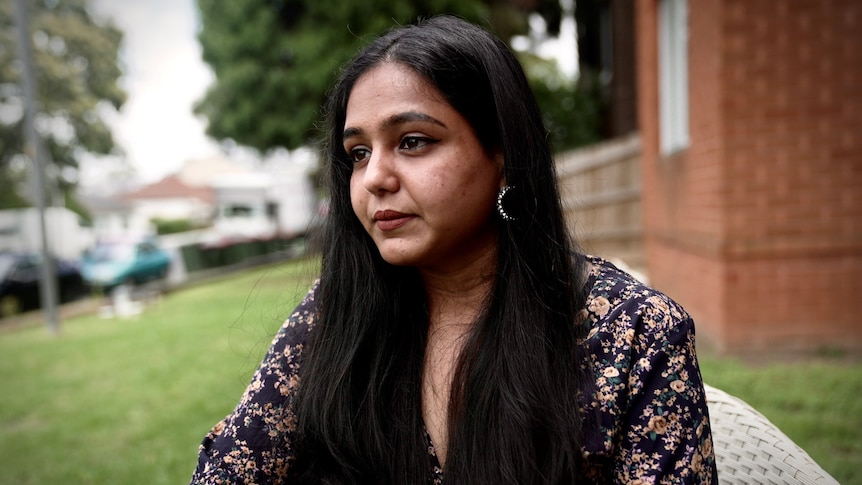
(164, 76)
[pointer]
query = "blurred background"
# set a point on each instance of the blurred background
(159, 194)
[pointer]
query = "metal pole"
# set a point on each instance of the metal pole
(33, 149)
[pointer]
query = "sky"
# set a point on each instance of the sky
(163, 75)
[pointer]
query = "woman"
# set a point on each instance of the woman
(454, 335)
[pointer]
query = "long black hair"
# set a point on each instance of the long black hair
(513, 413)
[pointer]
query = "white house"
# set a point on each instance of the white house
(169, 198)
(263, 205)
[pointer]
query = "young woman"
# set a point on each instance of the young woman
(455, 335)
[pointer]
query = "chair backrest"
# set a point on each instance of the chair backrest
(750, 449)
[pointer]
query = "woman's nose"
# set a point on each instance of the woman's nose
(380, 174)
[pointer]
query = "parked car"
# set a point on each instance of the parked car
(20, 279)
(130, 261)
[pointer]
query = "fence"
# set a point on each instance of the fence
(601, 191)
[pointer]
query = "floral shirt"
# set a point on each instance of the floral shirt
(654, 426)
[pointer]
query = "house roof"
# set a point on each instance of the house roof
(171, 187)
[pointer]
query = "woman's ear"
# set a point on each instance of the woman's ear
(501, 164)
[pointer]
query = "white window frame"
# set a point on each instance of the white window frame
(673, 76)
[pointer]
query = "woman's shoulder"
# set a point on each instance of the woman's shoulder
(298, 325)
(619, 301)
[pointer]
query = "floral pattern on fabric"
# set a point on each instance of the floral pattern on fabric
(653, 424)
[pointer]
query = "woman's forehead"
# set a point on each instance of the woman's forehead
(391, 88)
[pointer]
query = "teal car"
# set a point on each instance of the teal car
(110, 264)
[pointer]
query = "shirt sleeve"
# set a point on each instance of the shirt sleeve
(253, 443)
(664, 435)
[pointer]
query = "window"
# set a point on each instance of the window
(673, 75)
(238, 210)
(145, 248)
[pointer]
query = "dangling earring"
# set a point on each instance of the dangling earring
(500, 209)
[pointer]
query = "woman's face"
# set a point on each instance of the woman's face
(422, 185)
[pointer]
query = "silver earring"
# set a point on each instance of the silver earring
(500, 209)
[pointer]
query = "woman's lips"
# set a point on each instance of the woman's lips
(390, 220)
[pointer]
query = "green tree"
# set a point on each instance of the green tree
(77, 71)
(275, 59)
(572, 110)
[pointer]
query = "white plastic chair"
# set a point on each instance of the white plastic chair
(749, 449)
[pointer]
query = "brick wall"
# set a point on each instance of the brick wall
(757, 227)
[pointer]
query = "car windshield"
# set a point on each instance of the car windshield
(112, 252)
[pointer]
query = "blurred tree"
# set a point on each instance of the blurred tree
(77, 71)
(275, 59)
(572, 110)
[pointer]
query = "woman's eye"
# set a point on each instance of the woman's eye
(415, 142)
(359, 154)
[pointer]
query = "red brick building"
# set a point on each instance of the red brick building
(750, 115)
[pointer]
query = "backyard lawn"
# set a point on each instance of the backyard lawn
(126, 401)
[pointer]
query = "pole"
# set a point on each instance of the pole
(33, 149)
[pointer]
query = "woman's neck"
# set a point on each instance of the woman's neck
(457, 297)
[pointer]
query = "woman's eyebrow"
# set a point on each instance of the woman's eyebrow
(408, 116)
(395, 120)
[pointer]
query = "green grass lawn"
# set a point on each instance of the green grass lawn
(127, 401)
(112, 401)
